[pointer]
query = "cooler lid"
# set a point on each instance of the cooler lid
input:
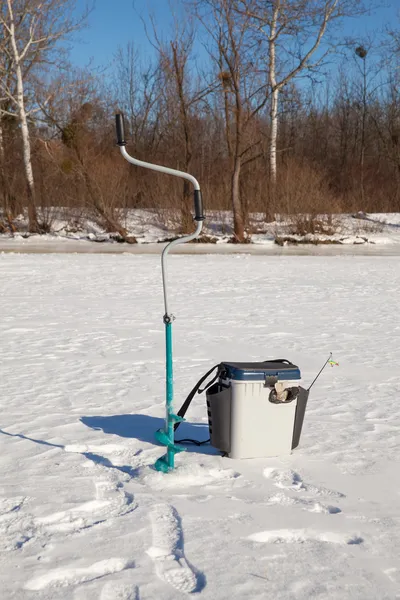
(258, 371)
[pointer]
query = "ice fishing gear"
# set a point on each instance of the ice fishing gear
(166, 436)
(328, 361)
(254, 409)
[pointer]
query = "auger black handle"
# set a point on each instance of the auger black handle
(198, 206)
(120, 126)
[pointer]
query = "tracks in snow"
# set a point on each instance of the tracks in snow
(119, 591)
(76, 575)
(303, 535)
(291, 481)
(307, 496)
(111, 501)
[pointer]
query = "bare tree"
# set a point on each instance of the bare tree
(291, 33)
(32, 30)
(78, 116)
(362, 52)
(241, 89)
(137, 89)
(385, 116)
(183, 94)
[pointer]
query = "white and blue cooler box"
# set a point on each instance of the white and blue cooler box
(246, 418)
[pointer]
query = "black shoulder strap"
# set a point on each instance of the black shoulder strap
(186, 404)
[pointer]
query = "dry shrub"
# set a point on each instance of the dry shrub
(47, 216)
(305, 200)
(205, 239)
(313, 224)
(301, 188)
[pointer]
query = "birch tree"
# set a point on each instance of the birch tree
(291, 33)
(32, 30)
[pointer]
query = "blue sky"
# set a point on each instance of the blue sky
(114, 23)
(110, 27)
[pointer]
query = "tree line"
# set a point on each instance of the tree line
(281, 115)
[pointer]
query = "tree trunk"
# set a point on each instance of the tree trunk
(8, 210)
(273, 136)
(2, 171)
(187, 204)
(179, 58)
(238, 221)
(187, 200)
(2, 183)
(107, 219)
(271, 207)
(26, 143)
(362, 155)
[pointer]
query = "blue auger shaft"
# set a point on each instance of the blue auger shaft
(169, 423)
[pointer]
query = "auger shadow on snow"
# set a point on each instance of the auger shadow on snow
(96, 458)
(29, 439)
(143, 428)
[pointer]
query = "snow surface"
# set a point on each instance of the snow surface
(83, 516)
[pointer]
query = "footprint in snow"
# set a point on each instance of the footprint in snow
(16, 527)
(10, 505)
(290, 480)
(305, 504)
(193, 475)
(110, 501)
(167, 550)
(118, 591)
(290, 536)
(197, 499)
(393, 574)
(64, 577)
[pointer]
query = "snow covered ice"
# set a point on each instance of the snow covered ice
(83, 515)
